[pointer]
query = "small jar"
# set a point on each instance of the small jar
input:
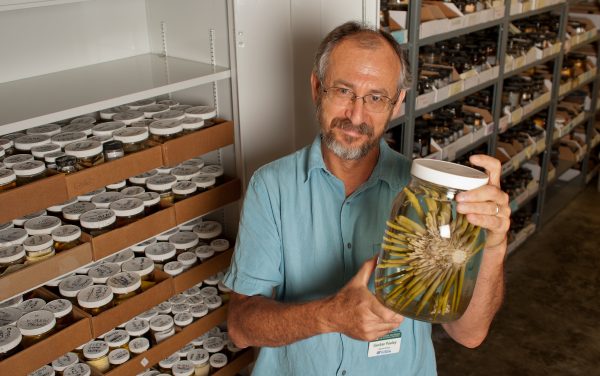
(11, 255)
(117, 339)
(128, 117)
(38, 248)
(232, 350)
(107, 128)
(36, 326)
(172, 115)
(42, 225)
(72, 213)
(148, 315)
(10, 341)
(165, 365)
(177, 299)
(46, 130)
(191, 124)
(173, 268)
(134, 139)
(71, 286)
(50, 159)
(217, 361)
(102, 272)
(187, 259)
(98, 221)
(139, 345)
(8, 179)
(162, 184)
(216, 171)
(121, 257)
(141, 247)
(193, 291)
(15, 159)
(8, 146)
(182, 352)
(185, 173)
(64, 138)
(208, 230)
(56, 210)
(184, 241)
(40, 152)
(180, 308)
(128, 210)
(88, 196)
(202, 112)
(96, 355)
(25, 143)
(212, 281)
(138, 328)
(213, 302)
(108, 113)
(105, 199)
(43, 371)
(79, 369)
(67, 164)
(12, 236)
(116, 187)
(164, 308)
(144, 267)
(214, 345)
(61, 363)
(165, 169)
(161, 253)
(140, 180)
(204, 252)
(66, 237)
(151, 202)
(28, 172)
(183, 190)
(199, 357)
(162, 327)
(113, 150)
(132, 191)
(10, 316)
(125, 285)
(153, 109)
(220, 245)
(162, 131)
(30, 305)
(204, 182)
(95, 299)
(183, 319)
(117, 357)
(62, 309)
(199, 311)
(183, 368)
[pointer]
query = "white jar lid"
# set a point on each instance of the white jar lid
(183, 319)
(165, 169)
(121, 257)
(170, 115)
(66, 233)
(194, 290)
(6, 143)
(101, 139)
(209, 291)
(165, 127)
(118, 356)
(132, 191)
(212, 170)
(448, 174)
(220, 245)
(46, 129)
(161, 323)
(187, 258)
(194, 300)
(189, 225)
(161, 182)
(196, 162)
(59, 364)
(183, 368)
(168, 102)
(86, 119)
(127, 207)
(6, 225)
(116, 338)
(142, 123)
(140, 265)
(131, 135)
(12, 236)
(10, 337)
(198, 357)
(128, 117)
(64, 138)
(208, 229)
(204, 181)
(173, 268)
(29, 168)
(98, 218)
(95, 349)
(7, 176)
(160, 251)
(28, 141)
(153, 109)
(204, 252)
(185, 172)
(137, 327)
(214, 344)
(69, 287)
(95, 296)
(31, 305)
(36, 243)
(88, 196)
(140, 247)
(43, 150)
(51, 158)
(59, 307)
(182, 352)
(74, 211)
(84, 149)
(141, 103)
(181, 107)
(105, 199)
(184, 239)
(101, 273)
(148, 315)
(192, 123)
(11, 253)
(179, 308)
(43, 371)
(107, 129)
(13, 136)
(177, 299)
(54, 282)
(199, 341)
(213, 302)
(41, 225)
(117, 185)
(163, 237)
(79, 369)
(141, 178)
(199, 310)
(139, 345)
(124, 282)
(164, 308)
(203, 112)
(15, 159)
(36, 323)
(12, 302)
(9, 316)
(108, 113)
(61, 206)
(168, 362)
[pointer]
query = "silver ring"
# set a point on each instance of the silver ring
(497, 209)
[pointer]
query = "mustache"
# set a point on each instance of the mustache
(346, 124)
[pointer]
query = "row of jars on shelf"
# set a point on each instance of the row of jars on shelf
(519, 91)
(520, 219)
(539, 31)
(516, 183)
(90, 140)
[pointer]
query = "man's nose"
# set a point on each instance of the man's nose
(356, 111)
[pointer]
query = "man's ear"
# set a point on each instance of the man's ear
(315, 86)
(398, 105)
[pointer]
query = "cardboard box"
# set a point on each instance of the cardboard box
(32, 197)
(123, 237)
(519, 61)
(99, 176)
(155, 354)
(516, 116)
(470, 79)
(233, 368)
(198, 143)
(425, 100)
(202, 271)
(489, 74)
(205, 202)
(508, 63)
(36, 274)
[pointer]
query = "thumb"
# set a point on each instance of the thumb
(364, 273)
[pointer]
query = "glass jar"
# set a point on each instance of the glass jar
(153, 109)
(216, 171)
(180, 307)
(107, 128)
(182, 319)
(165, 365)
(15, 159)
(8, 179)
(199, 358)
(25, 143)
(50, 159)
(171, 115)
(12, 236)
(185, 173)
(173, 268)
(164, 308)
(202, 112)
(182, 352)
(141, 247)
(208, 230)
(67, 164)
(148, 315)
(11, 255)
(98, 221)
(217, 361)
(162, 131)
(138, 328)
(36, 326)
(71, 286)
(72, 213)
(105, 199)
(125, 285)
(161, 253)
(38, 248)
(204, 252)
(183, 368)
(56, 210)
(162, 327)
(64, 138)
(120, 257)
(117, 357)
(213, 302)
(61, 363)
(162, 184)
(39, 152)
(113, 150)
(191, 124)
(183, 190)
(132, 191)
(139, 345)
(28, 172)
(448, 246)
(96, 355)
(42, 225)
(184, 241)
(151, 202)
(117, 339)
(30, 305)
(10, 316)
(79, 369)
(128, 210)
(128, 117)
(10, 341)
(199, 310)
(140, 180)
(116, 187)
(144, 267)
(187, 259)
(95, 299)
(134, 139)
(220, 245)
(102, 272)
(62, 309)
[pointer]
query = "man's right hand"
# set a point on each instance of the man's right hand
(356, 312)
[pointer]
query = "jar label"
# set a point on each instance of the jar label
(177, 299)
(148, 314)
(218, 360)
(183, 237)
(95, 348)
(168, 362)
(123, 279)
(104, 270)
(137, 264)
(182, 367)
(78, 208)
(30, 305)
(183, 318)
(208, 226)
(180, 307)
(45, 148)
(97, 215)
(79, 369)
(66, 230)
(11, 251)
(198, 356)
(29, 165)
(42, 223)
(169, 115)
(184, 186)
(212, 301)
(199, 310)
(161, 321)
(118, 356)
(129, 132)
(107, 197)
(158, 249)
(116, 337)
(95, 293)
(185, 171)
(133, 191)
(128, 115)
(164, 307)
(44, 371)
(5, 173)
(58, 305)
(195, 299)
(76, 283)
(35, 319)
(9, 315)
(146, 174)
(207, 292)
(220, 243)
(68, 136)
(213, 343)
(121, 257)
(127, 204)
(136, 325)
(187, 258)
(139, 344)
(36, 240)
(162, 179)
(32, 139)
(65, 360)
(83, 145)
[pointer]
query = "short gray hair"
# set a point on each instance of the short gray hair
(368, 38)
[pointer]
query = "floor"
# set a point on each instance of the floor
(550, 321)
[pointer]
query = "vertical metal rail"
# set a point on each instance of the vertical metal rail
(165, 52)
(213, 62)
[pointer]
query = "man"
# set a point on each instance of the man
(312, 218)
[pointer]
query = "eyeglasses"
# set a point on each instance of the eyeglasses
(345, 97)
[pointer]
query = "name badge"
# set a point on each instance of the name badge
(388, 344)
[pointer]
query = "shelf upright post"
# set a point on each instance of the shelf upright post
(589, 127)
(551, 116)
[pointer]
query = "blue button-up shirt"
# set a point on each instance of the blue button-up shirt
(302, 239)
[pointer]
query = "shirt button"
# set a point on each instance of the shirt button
(349, 245)
(343, 372)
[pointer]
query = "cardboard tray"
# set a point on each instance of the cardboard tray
(40, 272)
(207, 201)
(155, 354)
(202, 271)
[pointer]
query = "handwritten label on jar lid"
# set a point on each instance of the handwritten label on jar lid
(98, 218)
(29, 168)
(65, 138)
(198, 356)
(191, 124)
(165, 127)
(74, 211)
(199, 310)
(43, 371)
(118, 356)
(212, 170)
(132, 191)
(88, 196)
(148, 315)
(106, 198)
(187, 258)
(220, 245)
(66, 233)
(69, 287)
(161, 182)
(165, 235)
(43, 150)
(95, 349)
(164, 308)
(9, 316)
(204, 252)
(46, 129)
(184, 239)
(116, 338)
(149, 198)
(131, 135)
(218, 360)
(139, 345)
(140, 265)
(12, 302)
(127, 207)
(59, 307)
(7, 176)
(168, 362)
(11, 253)
(214, 344)
(160, 251)
(12, 236)
(107, 129)
(204, 112)
(36, 243)
(208, 229)
(204, 181)
(82, 120)
(31, 305)
(141, 178)
(177, 299)
(100, 273)
(183, 318)
(172, 114)
(184, 188)
(16, 159)
(161, 323)
(213, 302)
(121, 257)
(128, 117)
(192, 291)
(84, 149)
(124, 282)
(185, 172)
(36, 323)
(182, 352)
(59, 364)
(179, 308)
(44, 224)
(79, 369)
(183, 368)
(95, 296)
(31, 140)
(137, 327)
(173, 268)
(209, 291)
(10, 337)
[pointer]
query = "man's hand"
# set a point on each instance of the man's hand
(356, 312)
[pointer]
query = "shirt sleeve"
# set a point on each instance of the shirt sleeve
(256, 267)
